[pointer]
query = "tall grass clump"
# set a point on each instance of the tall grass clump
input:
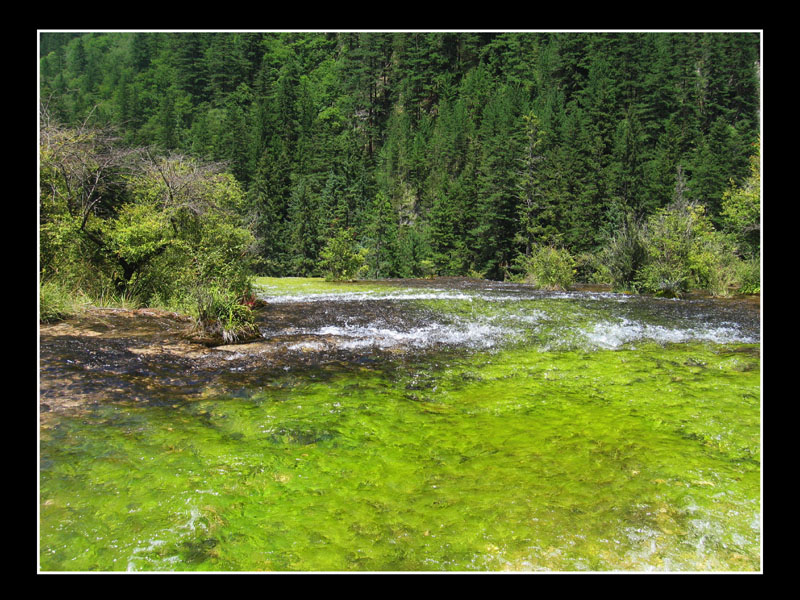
(623, 256)
(223, 316)
(56, 302)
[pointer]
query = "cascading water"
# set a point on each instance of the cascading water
(501, 314)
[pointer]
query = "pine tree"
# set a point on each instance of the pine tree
(628, 165)
(444, 232)
(530, 186)
(167, 134)
(304, 228)
(500, 139)
(382, 235)
(719, 157)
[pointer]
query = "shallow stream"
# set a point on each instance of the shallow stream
(444, 425)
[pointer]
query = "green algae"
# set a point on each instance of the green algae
(632, 459)
(312, 285)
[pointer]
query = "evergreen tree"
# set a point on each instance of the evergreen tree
(382, 235)
(304, 229)
(719, 157)
(166, 124)
(628, 168)
(500, 139)
(445, 222)
(530, 187)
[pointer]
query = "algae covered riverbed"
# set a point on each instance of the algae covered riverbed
(412, 426)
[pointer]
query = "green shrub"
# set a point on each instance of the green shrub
(741, 209)
(342, 259)
(427, 268)
(548, 267)
(749, 276)
(589, 268)
(682, 252)
(662, 278)
(714, 264)
(473, 273)
(675, 250)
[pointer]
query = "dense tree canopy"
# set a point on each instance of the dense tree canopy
(451, 152)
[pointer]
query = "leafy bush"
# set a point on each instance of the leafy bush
(144, 229)
(714, 264)
(683, 251)
(473, 273)
(669, 239)
(589, 268)
(548, 267)
(741, 209)
(342, 259)
(427, 268)
(675, 250)
(749, 276)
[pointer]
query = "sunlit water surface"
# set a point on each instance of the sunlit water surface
(447, 426)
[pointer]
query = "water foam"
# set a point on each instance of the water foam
(378, 335)
(521, 319)
(612, 335)
(435, 294)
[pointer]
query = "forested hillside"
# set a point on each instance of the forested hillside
(438, 153)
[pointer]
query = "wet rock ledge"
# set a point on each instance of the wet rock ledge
(118, 354)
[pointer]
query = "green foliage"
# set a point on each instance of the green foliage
(165, 231)
(669, 239)
(382, 232)
(531, 206)
(741, 208)
(221, 314)
(749, 276)
(676, 250)
(548, 267)
(589, 268)
(342, 259)
(683, 251)
(481, 144)
(427, 268)
(623, 256)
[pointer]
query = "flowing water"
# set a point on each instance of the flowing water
(444, 425)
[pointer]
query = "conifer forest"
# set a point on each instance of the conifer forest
(433, 153)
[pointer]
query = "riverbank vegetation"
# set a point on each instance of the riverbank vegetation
(175, 166)
(141, 229)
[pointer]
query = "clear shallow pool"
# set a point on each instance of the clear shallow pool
(468, 427)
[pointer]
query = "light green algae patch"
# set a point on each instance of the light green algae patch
(310, 285)
(643, 460)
